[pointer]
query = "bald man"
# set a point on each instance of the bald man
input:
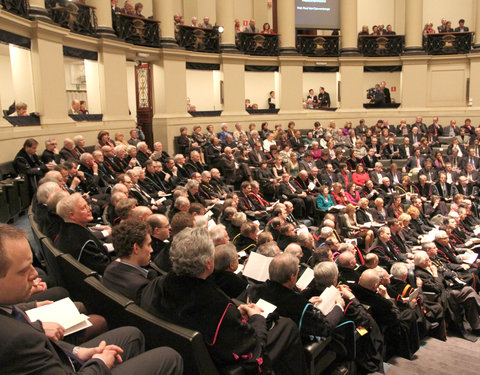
(400, 328)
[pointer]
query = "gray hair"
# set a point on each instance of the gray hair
(45, 190)
(201, 221)
(420, 257)
(119, 148)
(325, 274)
(84, 157)
(238, 219)
(399, 270)
(282, 267)
(427, 246)
(268, 249)
(188, 259)
(49, 140)
(77, 139)
(294, 249)
(225, 255)
(217, 232)
(326, 232)
(54, 199)
(192, 183)
(180, 201)
(67, 205)
(141, 145)
(303, 238)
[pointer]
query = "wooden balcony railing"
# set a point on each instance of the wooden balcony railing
(74, 15)
(137, 30)
(198, 38)
(448, 43)
(316, 45)
(383, 45)
(258, 44)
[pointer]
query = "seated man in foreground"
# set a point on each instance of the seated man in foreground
(189, 297)
(35, 353)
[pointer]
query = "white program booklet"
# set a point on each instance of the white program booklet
(267, 307)
(472, 259)
(329, 297)
(257, 267)
(63, 312)
(305, 279)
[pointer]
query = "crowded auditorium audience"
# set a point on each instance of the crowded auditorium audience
(381, 214)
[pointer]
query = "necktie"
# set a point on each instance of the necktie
(473, 163)
(291, 187)
(444, 188)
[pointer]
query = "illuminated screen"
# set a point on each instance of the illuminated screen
(317, 14)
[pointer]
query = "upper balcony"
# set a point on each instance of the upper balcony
(76, 16)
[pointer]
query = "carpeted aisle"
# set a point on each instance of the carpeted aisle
(455, 356)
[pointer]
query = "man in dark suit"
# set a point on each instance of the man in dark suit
(75, 238)
(429, 171)
(290, 191)
(386, 91)
(296, 141)
(391, 150)
(452, 130)
(383, 247)
(434, 282)
(422, 127)
(443, 189)
(461, 27)
(28, 163)
(42, 352)
(406, 149)
(471, 159)
(436, 128)
(323, 98)
(369, 160)
(127, 275)
(415, 161)
(194, 164)
(377, 174)
(256, 156)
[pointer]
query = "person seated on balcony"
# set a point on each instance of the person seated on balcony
(389, 31)
(441, 27)
(461, 27)
(428, 29)
(311, 95)
(206, 23)
(83, 107)
(20, 110)
(75, 108)
(323, 98)
(251, 28)
(448, 27)
(194, 21)
(267, 29)
(364, 31)
(379, 97)
(375, 30)
(128, 9)
(138, 10)
(271, 100)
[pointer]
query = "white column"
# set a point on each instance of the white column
(163, 12)
(38, 11)
(413, 26)
(103, 11)
(348, 27)
(225, 18)
(477, 25)
(286, 26)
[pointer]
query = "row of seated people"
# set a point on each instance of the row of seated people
(97, 258)
(160, 296)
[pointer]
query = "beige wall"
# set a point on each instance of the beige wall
(203, 89)
(7, 93)
(243, 10)
(258, 85)
(435, 10)
(374, 12)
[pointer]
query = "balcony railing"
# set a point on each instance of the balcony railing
(448, 43)
(258, 44)
(383, 45)
(137, 30)
(76, 16)
(18, 7)
(198, 38)
(316, 45)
